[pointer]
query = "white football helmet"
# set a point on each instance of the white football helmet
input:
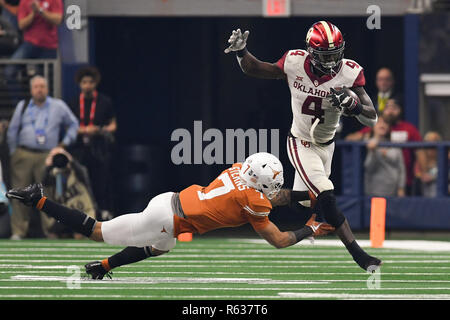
(264, 172)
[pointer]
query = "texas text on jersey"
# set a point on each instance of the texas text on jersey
(225, 202)
(309, 92)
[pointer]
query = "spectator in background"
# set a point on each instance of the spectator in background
(36, 128)
(9, 12)
(385, 84)
(428, 177)
(401, 131)
(38, 19)
(5, 223)
(95, 140)
(5, 230)
(384, 168)
(9, 38)
(67, 182)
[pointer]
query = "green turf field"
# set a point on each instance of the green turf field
(212, 268)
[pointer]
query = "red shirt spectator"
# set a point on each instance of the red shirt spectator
(41, 32)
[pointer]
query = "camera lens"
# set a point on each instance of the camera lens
(60, 161)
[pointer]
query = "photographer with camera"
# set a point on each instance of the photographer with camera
(67, 183)
(4, 208)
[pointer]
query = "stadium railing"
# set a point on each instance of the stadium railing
(16, 86)
(411, 212)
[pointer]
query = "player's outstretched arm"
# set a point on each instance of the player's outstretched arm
(368, 116)
(253, 67)
(249, 64)
(279, 239)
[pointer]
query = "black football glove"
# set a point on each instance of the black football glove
(341, 99)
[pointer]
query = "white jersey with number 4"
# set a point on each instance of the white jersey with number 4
(309, 92)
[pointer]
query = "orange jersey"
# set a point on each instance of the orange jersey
(226, 202)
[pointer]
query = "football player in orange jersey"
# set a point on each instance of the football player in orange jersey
(244, 193)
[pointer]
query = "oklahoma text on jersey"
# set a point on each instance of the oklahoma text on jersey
(308, 93)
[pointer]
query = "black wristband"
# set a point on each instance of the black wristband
(242, 52)
(303, 233)
(297, 196)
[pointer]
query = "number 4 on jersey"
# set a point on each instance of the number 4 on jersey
(313, 107)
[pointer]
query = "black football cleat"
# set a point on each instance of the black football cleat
(96, 271)
(373, 264)
(29, 196)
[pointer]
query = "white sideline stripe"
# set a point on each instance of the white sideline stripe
(91, 244)
(249, 297)
(417, 245)
(214, 288)
(133, 280)
(363, 296)
(119, 296)
(248, 263)
(268, 250)
(8, 266)
(243, 273)
(52, 244)
(58, 250)
(146, 297)
(169, 256)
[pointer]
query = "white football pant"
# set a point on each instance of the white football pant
(151, 227)
(312, 165)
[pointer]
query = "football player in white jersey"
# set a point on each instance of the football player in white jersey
(319, 79)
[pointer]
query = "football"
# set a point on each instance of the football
(350, 92)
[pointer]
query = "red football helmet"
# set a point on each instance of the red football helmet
(325, 44)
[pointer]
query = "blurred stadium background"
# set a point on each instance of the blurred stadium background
(163, 65)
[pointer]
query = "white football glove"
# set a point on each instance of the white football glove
(237, 40)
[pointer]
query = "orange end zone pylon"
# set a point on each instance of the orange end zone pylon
(185, 237)
(377, 222)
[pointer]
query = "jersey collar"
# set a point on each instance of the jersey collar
(317, 81)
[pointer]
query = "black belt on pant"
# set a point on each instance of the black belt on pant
(320, 144)
(34, 150)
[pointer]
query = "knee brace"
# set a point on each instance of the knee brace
(326, 205)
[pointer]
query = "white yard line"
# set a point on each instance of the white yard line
(268, 250)
(124, 297)
(119, 272)
(420, 245)
(107, 287)
(308, 295)
(159, 266)
(249, 263)
(247, 297)
(170, 256)
(75, 244)
(133, 280)
(417, 245)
